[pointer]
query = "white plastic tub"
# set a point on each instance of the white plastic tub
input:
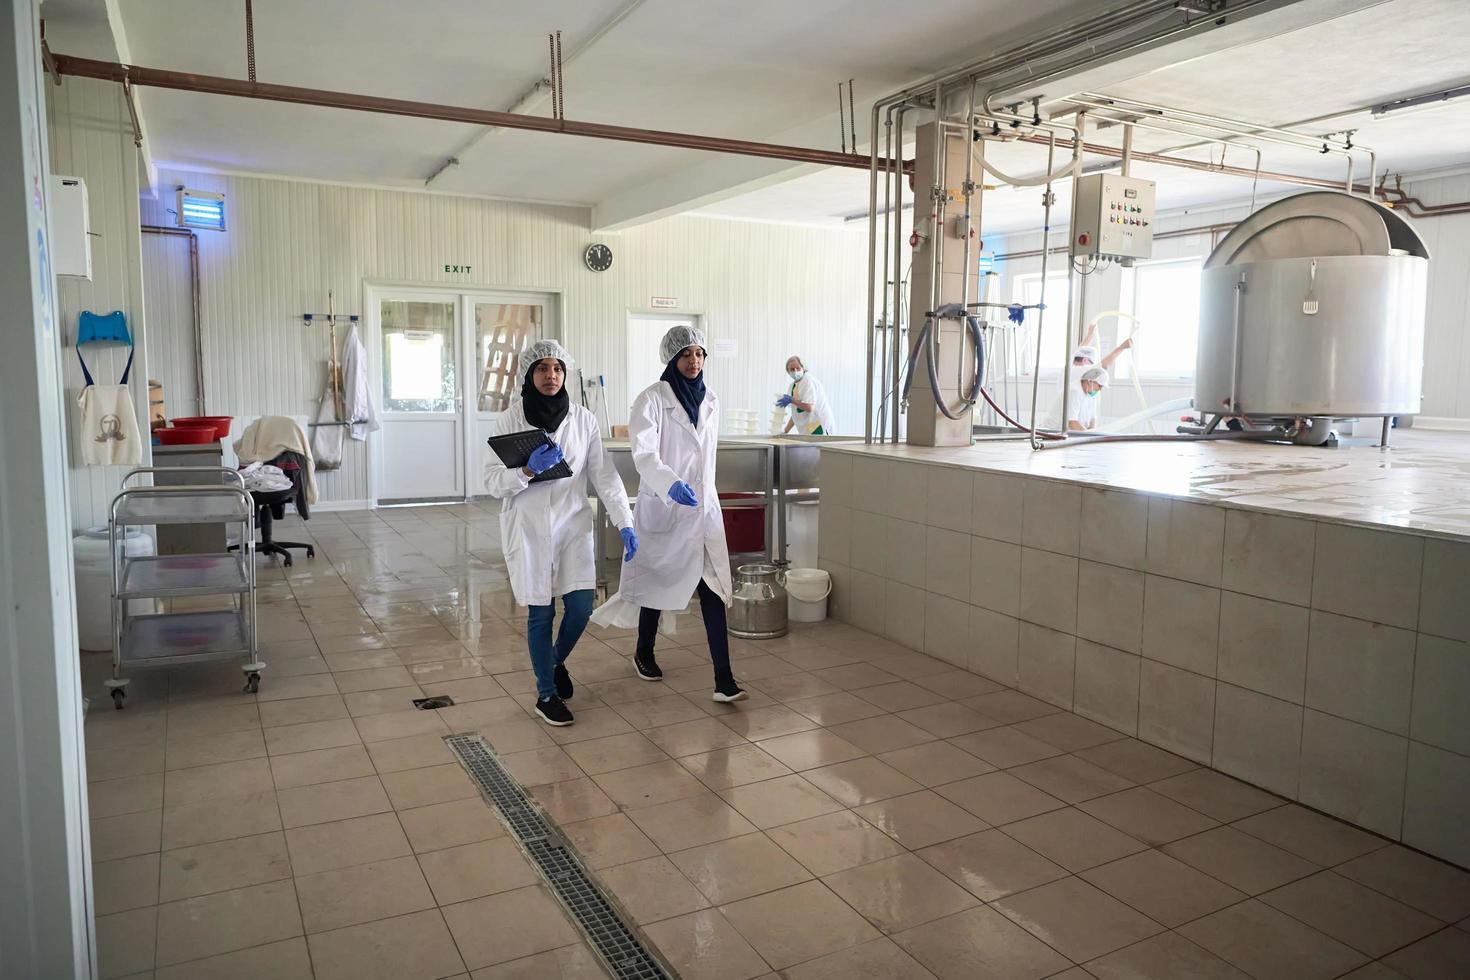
(807, 590)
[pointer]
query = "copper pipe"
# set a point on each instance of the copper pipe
(1032, 253)
(215, 85)
(1416, 208)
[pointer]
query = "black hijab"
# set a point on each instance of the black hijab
(689, 393)
(545, 412)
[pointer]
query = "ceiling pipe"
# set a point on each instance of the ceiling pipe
(1396, 197)
(134, 76)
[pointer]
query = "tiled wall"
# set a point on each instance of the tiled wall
(1327, 663)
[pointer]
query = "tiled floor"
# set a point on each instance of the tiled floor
(868, 813)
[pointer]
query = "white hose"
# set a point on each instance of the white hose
(1133, 336)
(1021, 181)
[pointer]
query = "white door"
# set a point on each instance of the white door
(645, 330)
(499, 327)
(422, 454)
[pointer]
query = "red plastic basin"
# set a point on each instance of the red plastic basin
(220, 423)
(186, 435)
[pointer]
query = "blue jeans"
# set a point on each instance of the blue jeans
(545, 656)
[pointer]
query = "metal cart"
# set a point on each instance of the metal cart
(190, 636)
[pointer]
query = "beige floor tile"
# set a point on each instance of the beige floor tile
(1240, 860)
(469, 689)
(798, 923)
(1136, 760)
(999, 797)
(1010, 707)
(1270, 945)
(738, 868)
(343, 843)
(991, 865)
(649, 785)
(225, 819)
(785, 799)
(1352, 914)
(508, 926)
(1166, 890)
(1144, 814)
(320, 766)
(1068, 732)
(949, 719)
(568, 963)
(1444, 954)
(689, 822)
(853, 676)
(428, 675)
(459, 874)
(211, 718)
(614, 752)
(935, 763)
(770, 722)
(808, 750)
(1070, 779)
(876, 960)
(1415, 879)
(1073, 839)
(835, 709)
(861, 781)
(693, 737)
(362, 659)
(400, 724)
(882, 734)
(705, 946)
(1077, 919)
(289, 688)
(125, 942)
(302, 711)
(658, 712)
(362, 893)
(433, 784)
(609, 840)
(1167, 956)
(734, 766)
(592, 722)
(284, 960)
(415, 752)
(536, 767)
(1005, 747)
(793, 687)
(226, 921)
(899, 892)
(126, 835)
(188, 750)
(1311, 835)
(834, 842)
(311, 735)
(980, 942)
(351, 642)
(182, 787)
(325, 802)
(387, 701)
(441, 825)
(478, 714)
(652, 889)
(409, 947)
(131, 794)
(573, 800)
(921, 819)
(125, 883)
(1216, 795)
(898, 695)
(222, 866)
(515, 735)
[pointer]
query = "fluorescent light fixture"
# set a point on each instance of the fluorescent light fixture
(1420, 101)
(200, 209)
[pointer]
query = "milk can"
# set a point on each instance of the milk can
(759, 608)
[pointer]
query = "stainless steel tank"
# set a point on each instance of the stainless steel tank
(1314, 307)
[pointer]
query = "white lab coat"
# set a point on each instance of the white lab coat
(357, 388)
(546, 529)
(810, 391)
(677, 545)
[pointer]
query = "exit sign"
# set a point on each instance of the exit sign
(664, 302)
(462, 269)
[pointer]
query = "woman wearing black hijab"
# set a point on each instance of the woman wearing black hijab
(546, 526)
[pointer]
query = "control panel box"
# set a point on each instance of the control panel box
(1115, 217)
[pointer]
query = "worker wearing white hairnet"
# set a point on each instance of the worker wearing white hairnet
(811, 414)
(546, 525)
(1089, 378)
(674, 429)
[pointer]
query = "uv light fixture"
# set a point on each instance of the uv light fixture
(200, 209)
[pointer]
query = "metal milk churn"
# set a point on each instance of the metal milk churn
(759, 608)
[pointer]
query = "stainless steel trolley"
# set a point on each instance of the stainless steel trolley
(169, 639)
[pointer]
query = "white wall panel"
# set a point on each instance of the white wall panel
(168, 294)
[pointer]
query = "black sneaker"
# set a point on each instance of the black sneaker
(553, 712)
(727, 690)
(564, 689)
(647, 667)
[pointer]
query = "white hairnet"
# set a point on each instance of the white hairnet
(1086, 351)
(543, 349)
(680, 337)
(1100, 375)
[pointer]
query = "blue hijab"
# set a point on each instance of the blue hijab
(689, 393)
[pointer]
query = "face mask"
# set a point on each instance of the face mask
(795, 375)
(1093, 394)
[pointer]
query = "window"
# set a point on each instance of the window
(1028, 291)
(419, 356)
(1165, 298)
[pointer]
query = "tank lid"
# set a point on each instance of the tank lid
(1315, 224)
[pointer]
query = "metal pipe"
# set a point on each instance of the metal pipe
(215, 85)
(895, 367)
(884, 405)
(965, 269)
(194, 299)
(1179, 233)
(1263, 435)
(1234, 405)
(872, 257)
(1387, 426)
(1041, 313)
(1127, 148)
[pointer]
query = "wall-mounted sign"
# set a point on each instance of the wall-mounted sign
(664, 302)
(723, 347)
(463, 269)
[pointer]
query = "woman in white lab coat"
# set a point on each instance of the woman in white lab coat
(811, 413)
(546, 528)
(674, 428)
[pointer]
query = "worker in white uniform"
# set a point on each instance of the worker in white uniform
(674, 429)
(546, 527)
(811, 414)
(1089, 377)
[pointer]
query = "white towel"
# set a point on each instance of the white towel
(109, 427)
(269, 436)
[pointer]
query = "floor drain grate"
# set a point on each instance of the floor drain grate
(621, 951)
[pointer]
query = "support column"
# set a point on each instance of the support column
(46, 900)
(938, 221)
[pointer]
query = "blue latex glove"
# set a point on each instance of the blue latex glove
(783, 401)
(1016, 313)
(683, 493)
(544, 458)
(630, 543)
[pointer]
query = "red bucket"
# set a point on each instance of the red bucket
(186, 435)
(745, 527)
(220, 423)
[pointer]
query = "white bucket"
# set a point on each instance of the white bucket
(94, 584)
(807, 590)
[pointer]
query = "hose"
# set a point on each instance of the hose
(1133, 336)
(1261, 436)
(1024, 430)
(925, 342)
